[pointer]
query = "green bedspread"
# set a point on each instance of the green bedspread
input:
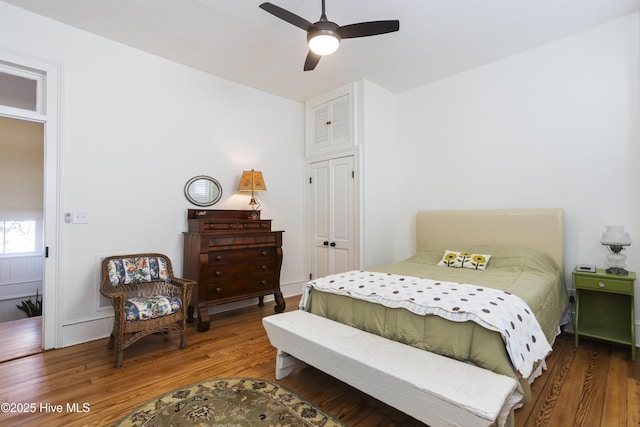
(527, 273)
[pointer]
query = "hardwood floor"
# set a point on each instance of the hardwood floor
(20, 338)
(596, 385)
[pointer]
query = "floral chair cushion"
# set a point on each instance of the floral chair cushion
(150, 307)
(137, 270)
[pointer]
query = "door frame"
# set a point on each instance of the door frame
(49, 116)
(358, 223)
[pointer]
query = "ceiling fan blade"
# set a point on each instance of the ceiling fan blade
(311, 61)
(285, 15)
(365, 29)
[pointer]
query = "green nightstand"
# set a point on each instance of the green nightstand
(604, 307)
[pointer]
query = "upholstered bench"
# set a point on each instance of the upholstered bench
(146, 298)
(434, 389)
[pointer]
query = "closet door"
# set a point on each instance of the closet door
(332, 216)
(329, 124)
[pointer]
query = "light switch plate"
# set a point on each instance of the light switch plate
(81, 217)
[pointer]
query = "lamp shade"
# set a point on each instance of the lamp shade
(252, 181)
(615, 236)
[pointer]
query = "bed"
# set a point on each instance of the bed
(525, 260)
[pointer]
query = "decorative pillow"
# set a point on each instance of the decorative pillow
(138, 270)
(464, 260)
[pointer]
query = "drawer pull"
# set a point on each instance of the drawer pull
(218, 290)
(602, 284)
(218, 258)
(218, 273)
(264, 253)
(264, 267)
(264, 282)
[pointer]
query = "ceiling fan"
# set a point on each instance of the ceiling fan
(324, 36)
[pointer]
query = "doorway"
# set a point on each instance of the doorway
(21, 245)
(40, 80)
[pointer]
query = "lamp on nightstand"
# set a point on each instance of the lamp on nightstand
(615, 238)
(252, 181)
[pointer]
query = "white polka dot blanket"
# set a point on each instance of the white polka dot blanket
(493, 309)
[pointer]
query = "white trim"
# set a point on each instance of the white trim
(20, 114)
(348, 90)
(19, 296)
(40, 79)
(87, 319)
(78, 332)
(355, 92)
(355, 152)
(18, 283)
(50, 117)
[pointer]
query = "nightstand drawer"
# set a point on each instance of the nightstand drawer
(601, 284)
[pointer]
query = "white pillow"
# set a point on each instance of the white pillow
(464, 260)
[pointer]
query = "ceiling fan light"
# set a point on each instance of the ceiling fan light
(324, 44)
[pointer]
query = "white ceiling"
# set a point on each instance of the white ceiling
(236, 40)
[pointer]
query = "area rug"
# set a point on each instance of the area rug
(229, 402)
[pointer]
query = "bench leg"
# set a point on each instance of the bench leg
(285, 364)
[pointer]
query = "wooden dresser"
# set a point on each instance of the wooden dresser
(233, 258)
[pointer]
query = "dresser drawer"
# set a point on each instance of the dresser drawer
(257, 255)
(229, 226)
(227, 271)
(242, 240)
(601, 284)
(246, 286)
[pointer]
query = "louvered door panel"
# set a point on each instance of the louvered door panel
(321, 127)
(330, 124)
(340, 128)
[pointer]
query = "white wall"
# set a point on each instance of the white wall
(375, 134)
(135, 128)
(555, 126)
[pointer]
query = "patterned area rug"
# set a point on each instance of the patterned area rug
(229, 402)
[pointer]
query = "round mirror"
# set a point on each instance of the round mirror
(203, 190)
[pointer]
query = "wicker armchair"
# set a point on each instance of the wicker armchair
(146, 298)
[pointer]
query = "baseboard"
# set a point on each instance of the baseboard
(79, 331)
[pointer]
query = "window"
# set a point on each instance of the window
(17, 237)
(21, 88)
(20, 234)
